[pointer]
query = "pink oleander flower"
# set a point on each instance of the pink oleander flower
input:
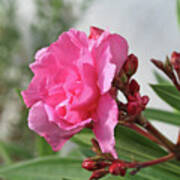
(71, 87)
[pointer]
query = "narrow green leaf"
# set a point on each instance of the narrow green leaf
(48, 168)
(160, 79)
(164, 116)
(4, 154)
(11, 152)
(178, 11)
(168, 93)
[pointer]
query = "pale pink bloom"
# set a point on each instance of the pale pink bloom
(71, 87)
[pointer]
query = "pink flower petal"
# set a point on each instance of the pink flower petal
(106, 118)
(67, 49)
(36, 91)
(90, 92)
(38, 122)
(119, 50)
(105, 68)
(45, 65)
(110, 53)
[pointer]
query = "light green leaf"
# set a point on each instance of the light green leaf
(178, 11)
(48, 168)
(164, 116)
(160, 79)
(168, 93)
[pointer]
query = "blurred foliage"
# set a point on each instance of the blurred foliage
(18, 43)
(178, 12)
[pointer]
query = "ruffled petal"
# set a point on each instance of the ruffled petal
(119, 50)
(38, 122)
(109, 52)
(90, 92)
(105, 120)
(35, 92)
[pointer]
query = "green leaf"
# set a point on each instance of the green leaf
(163, 116)
(160, 79)
(132, 146)
(84, 148)
(168, 93)
(178, 11)
(4, 154)
(10, 152)
(42, 147)
(48, 168)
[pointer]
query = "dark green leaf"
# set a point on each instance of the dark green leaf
(169, 94)
(164, 116)
(48, 168)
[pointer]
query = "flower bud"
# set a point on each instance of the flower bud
(133, 108)
(134, 86)
(136, 104)
(158, 63)
(168, 66)
(131, 65)
(175, 60)
(98, 174)
(95, 147)
(95, 32)
(145, 100)
(89, 164)
(118, 168)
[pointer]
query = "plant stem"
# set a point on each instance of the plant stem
(140, 165)
(151, 129)
(142, 132)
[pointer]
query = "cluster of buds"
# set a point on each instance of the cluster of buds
(171, 68)
(103, 164)
(136, 104)
(130, 87)
(101, 167)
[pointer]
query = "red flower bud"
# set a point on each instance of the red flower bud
(95, 32)
(98, 174)
(92, 165)
(133, 108)
(134, 86)
(136, 104)
(131, 65)
(175, 60)
(158, 63)
(89, 164)
(145, 100)
(118, 168)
